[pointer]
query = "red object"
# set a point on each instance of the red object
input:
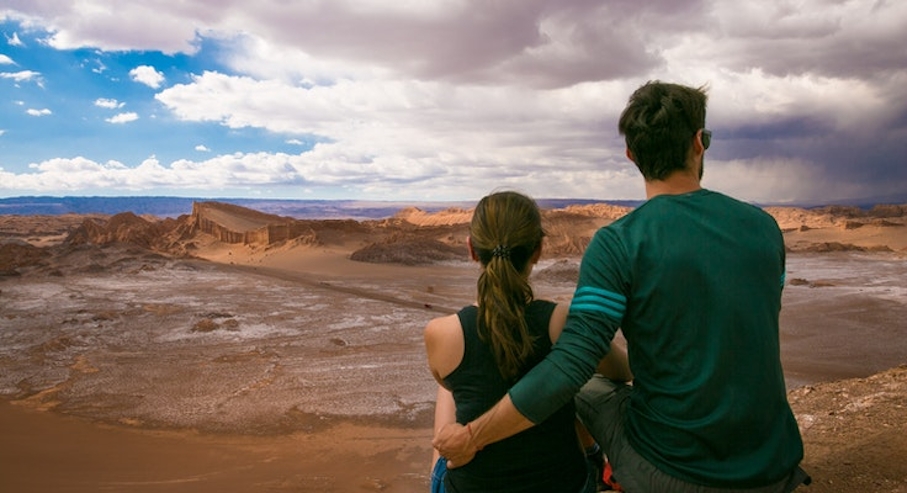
(608, 477)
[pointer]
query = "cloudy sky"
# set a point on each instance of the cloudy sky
(443, 99)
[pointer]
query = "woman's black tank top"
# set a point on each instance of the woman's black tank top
(543, 459)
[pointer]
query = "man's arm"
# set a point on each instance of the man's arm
(549, 385)
(459, 443)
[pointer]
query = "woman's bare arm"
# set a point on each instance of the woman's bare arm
(445, 413)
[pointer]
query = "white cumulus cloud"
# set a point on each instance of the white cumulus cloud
(36, 112)
(21, 76)
(147, 75)
(111, 104)
(123, 118)
(14, 40)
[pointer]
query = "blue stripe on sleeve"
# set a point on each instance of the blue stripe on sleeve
(591, 299)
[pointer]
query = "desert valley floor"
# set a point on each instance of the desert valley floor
(295, 368)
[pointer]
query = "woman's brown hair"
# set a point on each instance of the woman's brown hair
(505, 233)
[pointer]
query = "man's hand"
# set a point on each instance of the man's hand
(454, 441)
(460, 443)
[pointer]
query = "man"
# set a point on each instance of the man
(694, 280)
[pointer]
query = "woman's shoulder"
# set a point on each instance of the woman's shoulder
(444, 345)
(441, 325)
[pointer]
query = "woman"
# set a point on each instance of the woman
(478, 353)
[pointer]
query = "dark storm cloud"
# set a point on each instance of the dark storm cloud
(540, 42)
(871, 162)
(866, 40)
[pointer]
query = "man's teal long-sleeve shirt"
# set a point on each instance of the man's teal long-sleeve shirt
(694, 282)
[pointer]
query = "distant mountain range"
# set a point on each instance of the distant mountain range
(304, 209)
(298, 209)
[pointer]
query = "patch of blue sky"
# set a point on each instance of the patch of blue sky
(86, 103)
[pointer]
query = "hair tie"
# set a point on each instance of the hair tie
(501, 251)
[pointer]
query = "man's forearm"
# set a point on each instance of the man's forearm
(500, 422)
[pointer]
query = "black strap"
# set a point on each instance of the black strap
(796, 479)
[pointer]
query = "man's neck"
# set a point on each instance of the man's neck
(677, 183)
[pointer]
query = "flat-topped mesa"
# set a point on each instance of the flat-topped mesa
(602, 210)
(240, 225)
(835, 216)
(446, 217)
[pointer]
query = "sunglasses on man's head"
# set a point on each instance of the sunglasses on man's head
(706, 138)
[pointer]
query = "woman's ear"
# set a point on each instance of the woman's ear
(536, 254)
(472, 252)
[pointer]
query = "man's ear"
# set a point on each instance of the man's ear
(630, 155)
(472, 251)
(698, 146)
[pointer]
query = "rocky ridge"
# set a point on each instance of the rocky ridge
(410, 237)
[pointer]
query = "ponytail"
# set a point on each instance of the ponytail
(505, 233)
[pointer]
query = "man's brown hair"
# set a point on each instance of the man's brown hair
(659, 123)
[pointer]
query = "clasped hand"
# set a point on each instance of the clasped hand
(454, 442)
